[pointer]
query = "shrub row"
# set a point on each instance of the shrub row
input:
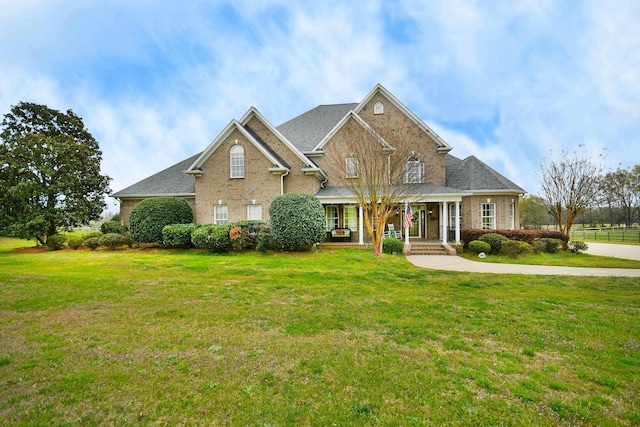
(498, 244)
(529, 236)
(218, 238)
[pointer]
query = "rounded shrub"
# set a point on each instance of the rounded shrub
(577, 246)
(477, 246)
(111, 240)
(56, 242)
(297, 221)
(494, 240)
(214, 238)
(178, 235)
(91, 234)
(113, 227)
(75, 243)
(92, 243)
(552, 245)
(513, 248)
(392, 246)
(264, 242)
(150, 216)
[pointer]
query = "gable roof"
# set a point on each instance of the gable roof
(310, 166)
(262, 146)
(474, 175)
(442, 145)
(168, 182)
(351, 115)
(308, 129)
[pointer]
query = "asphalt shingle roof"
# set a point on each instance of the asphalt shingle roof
(171, 181)
(307, 130)
(474, 175)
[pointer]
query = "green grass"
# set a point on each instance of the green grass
(319, 338)
(562, 258)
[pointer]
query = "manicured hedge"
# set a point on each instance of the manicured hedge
(477, 246)
(214, 238)
(178, 235)
(111, 240)
(529, 236)
(297, 221)
(150, 216)
(113, 227)
(392, 246)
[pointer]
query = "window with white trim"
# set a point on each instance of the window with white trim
(413, 170)
(488, 216)
(254, 212)
(220, 214)
(333, 220)
(352, 167)
(512, 215)
(236, 155)
(351, 217)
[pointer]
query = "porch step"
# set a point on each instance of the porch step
(431, 249)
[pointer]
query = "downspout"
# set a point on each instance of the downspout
(282, 182)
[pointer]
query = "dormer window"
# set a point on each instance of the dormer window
(413, 170)
(237, 161)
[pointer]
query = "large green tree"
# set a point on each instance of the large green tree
(533, 212)
(49, 172)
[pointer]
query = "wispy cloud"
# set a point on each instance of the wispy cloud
(156, 81)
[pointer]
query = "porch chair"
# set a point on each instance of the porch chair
(393, 232)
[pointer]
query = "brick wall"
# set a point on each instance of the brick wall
(472, 210)
(215, 186)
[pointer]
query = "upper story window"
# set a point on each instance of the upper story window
(352, 167)
(413, 170)
(237, 161)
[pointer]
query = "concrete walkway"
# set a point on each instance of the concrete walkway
(456, 263)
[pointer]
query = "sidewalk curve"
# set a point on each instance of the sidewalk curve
(456, 263)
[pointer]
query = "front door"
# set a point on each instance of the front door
(417, 229)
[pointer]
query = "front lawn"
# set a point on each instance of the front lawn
(562, 258)
(333, 337)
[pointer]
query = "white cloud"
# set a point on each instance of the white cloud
(156, 82)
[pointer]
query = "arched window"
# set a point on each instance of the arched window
(413, 170)
(237, 161)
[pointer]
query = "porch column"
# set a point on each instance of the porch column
(457, 223)
(445, 215)
(360, 226)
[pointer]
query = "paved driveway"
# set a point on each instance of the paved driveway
(456, 263)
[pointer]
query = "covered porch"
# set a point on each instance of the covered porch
(432, 221)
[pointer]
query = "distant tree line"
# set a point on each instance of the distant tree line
(576, 192)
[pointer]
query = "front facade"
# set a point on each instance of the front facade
(251, 162)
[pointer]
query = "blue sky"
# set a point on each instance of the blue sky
(156, 81)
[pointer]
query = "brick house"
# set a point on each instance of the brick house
(252, 161)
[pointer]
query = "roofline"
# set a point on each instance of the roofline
(342, 122)
(490, 192)
(146, 196)
(217, 141)
(254, 112)
(443, 146)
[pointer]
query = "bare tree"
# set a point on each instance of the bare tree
(569, 186)
(362, 161)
